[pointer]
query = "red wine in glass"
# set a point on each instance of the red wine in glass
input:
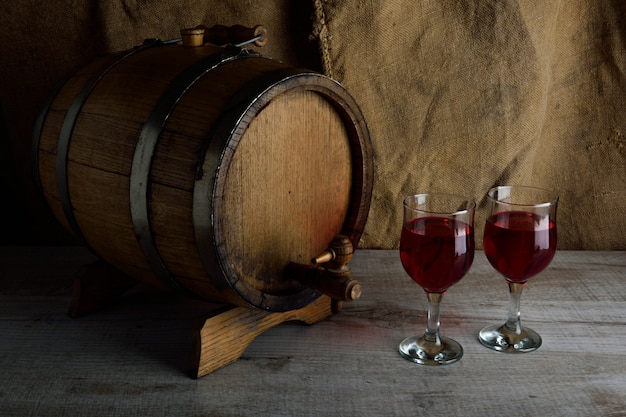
(519, 241)
(519, 244)
(436, 250)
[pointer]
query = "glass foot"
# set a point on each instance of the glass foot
(501, 339)
(418, 350)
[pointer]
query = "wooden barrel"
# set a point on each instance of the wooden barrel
(206, 169)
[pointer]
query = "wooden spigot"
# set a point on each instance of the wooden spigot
(333, 278)
(222, 35)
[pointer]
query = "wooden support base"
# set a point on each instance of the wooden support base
(223, 337)
(219, 339)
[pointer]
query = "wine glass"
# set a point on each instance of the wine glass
(519, 242)
(436, 250)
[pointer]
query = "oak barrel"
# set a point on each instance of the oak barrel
(206, 169)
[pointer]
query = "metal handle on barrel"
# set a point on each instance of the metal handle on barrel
(237, 35)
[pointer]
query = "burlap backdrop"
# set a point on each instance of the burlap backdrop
(462, 95)
(458, 95)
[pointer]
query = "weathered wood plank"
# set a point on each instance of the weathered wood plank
(132, 358)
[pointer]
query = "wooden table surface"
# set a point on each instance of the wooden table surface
(131, 359)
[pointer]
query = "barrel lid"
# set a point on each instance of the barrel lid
(294, 172)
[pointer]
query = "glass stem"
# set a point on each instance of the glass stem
(514, 320)
(432, 328)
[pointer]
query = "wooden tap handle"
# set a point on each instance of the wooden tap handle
(333, 278)
(336, 256)
(326, 256)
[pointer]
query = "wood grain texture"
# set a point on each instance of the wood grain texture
(225, 336)
(207, 168)
(286, 198)
(133, 358)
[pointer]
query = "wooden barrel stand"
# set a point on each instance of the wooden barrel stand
(214, 172)
(224, 336)
(220, 337)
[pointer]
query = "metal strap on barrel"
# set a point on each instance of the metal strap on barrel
(37, 130)
(144, 151)
(67, 129)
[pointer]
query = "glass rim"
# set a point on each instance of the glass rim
(471, 203)
(553, 198)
